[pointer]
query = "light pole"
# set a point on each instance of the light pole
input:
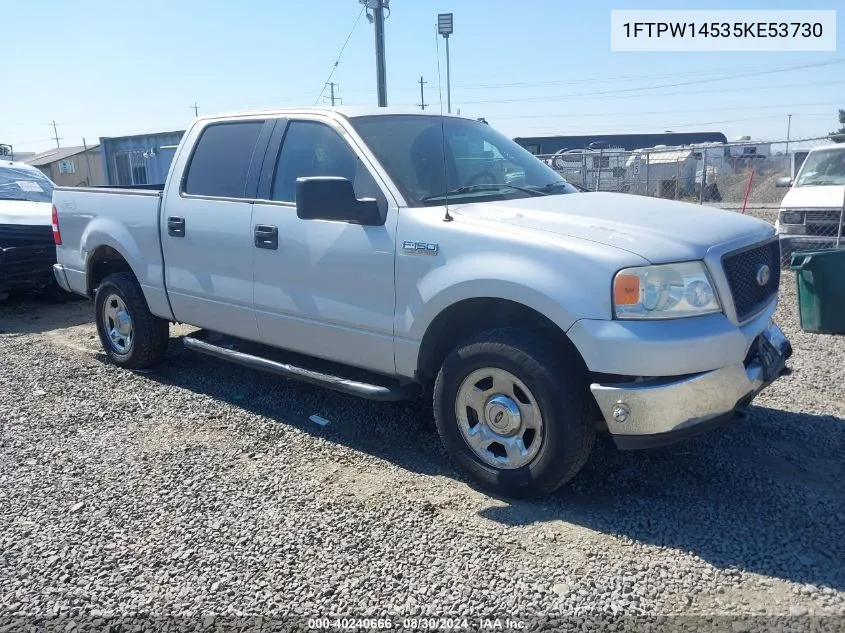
(444, 28)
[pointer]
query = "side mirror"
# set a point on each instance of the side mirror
(333, 198)
(785, 181)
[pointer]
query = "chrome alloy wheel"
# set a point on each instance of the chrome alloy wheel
(499, 418)
(118, 324)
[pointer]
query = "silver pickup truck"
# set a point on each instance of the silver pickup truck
(389, 254)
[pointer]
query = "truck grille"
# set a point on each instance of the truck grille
(25, 234)
(742, 269)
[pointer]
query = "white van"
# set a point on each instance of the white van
(812, 213)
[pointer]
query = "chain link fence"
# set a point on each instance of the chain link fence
(740, 176)
(727, 174)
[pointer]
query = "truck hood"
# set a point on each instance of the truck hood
(655, 229)
(25, 212)
(802, 197)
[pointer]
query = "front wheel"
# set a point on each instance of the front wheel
(514, 413)
(131, 335)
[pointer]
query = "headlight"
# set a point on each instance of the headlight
(791, 217)
(668, 291)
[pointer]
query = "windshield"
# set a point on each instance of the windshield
(480, 163)
(17, 183)
(824, 167)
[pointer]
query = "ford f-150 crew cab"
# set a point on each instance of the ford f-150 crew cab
(393, 254)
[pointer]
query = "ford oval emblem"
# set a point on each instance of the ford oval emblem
(764, 273)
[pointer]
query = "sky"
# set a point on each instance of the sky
(105, 68)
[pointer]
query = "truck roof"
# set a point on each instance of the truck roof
(343, 111)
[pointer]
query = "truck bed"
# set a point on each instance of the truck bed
(93, 220)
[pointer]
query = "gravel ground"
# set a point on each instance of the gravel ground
(200, 494)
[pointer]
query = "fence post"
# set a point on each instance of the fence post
(678, 180)
(703, 176)
(647, 161)
(598, 176)
(584, 172)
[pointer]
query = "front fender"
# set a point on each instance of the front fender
(537, 283)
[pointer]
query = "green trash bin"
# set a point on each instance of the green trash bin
(821, 290)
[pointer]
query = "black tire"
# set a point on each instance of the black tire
(557, 379)
(150, 334)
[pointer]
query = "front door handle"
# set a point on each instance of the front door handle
(266, 236)
(176, 226)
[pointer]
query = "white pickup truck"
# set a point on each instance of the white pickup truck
(391, 254)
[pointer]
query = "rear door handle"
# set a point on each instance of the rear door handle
(176, 226)
(266, 236)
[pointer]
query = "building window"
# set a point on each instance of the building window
(130, 168)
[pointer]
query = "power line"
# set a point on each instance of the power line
(721, 76)
(670, 85)
(664, 94)
(342, 49)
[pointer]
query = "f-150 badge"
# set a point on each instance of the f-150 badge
(420, 248)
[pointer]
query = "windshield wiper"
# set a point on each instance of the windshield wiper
(552, 186)
(483, 187)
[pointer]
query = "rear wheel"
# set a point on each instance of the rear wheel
(131, 335)
(514, 413)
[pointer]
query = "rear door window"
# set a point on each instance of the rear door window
(220, 164)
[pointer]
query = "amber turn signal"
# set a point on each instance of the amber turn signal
(626, 290)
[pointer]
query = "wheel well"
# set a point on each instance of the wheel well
(469, 317)
(103, 262)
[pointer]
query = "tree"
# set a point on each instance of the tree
(842, 121)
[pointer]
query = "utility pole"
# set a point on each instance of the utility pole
(56, 135)
(788, 129)
(89, 175)
(422, 93)
(196, 109)
(381, 72)
(377, 18)
(331, 86)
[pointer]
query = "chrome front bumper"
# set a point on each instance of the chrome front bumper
(659, 411)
